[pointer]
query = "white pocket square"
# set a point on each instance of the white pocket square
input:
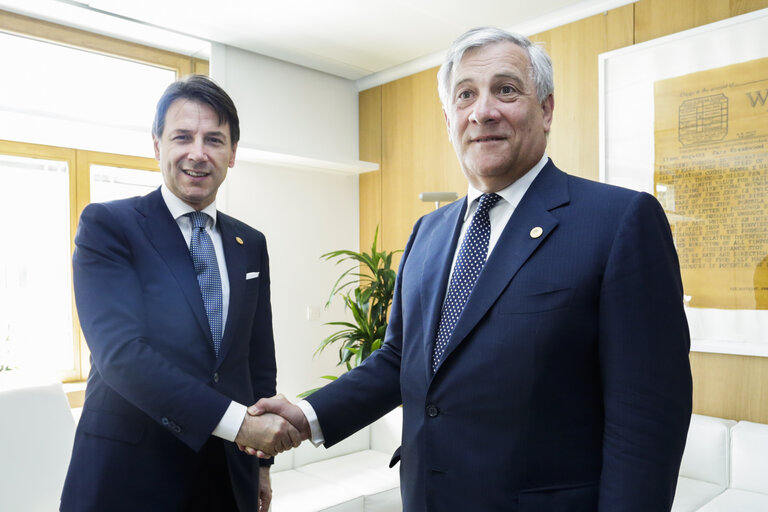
(251, 275)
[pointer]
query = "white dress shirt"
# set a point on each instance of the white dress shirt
(230, 423)
(499, 215)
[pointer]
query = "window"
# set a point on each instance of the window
(51, 186)
(35, 296)
(108, 183)
(65, 88)
(98, 89)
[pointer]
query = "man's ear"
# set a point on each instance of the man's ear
(156, 145)
(232, 158)
(548, 107)
(447, 122)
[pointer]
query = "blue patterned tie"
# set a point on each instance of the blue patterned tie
(469, 263)
(208, 277)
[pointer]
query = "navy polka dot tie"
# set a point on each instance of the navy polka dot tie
(208, 277)
(469, 263)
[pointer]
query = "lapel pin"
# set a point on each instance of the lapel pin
(239, 240)
(536, 232)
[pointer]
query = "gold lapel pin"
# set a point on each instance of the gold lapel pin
(239, 240)
(536, 232)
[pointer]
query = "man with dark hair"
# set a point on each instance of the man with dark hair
(537, 339)
(173, 298)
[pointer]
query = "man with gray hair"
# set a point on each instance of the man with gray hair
(537, 340)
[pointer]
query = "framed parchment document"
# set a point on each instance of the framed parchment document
(685, 117)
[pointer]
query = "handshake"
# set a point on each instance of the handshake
(272, 426)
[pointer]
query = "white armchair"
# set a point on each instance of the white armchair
(36, 435)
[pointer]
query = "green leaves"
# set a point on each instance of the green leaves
(305, 394)
(366, 288)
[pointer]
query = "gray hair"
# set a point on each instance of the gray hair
(541, 64)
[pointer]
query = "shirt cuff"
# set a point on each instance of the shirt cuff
(230, 423)
(314, 425)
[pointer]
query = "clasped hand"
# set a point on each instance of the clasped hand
(272, 426)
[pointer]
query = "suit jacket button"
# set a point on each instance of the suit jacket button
(216, 377)
(432, 411)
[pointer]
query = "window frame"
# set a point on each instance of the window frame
(79, 162)
(84, 160)
(25, 26)
(26, 150)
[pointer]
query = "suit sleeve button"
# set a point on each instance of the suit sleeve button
(432, 411)
(216, 377)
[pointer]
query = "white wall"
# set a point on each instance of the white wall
(288, 108)
(303, 214)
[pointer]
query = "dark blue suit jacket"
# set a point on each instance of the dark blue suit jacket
(566, 384)
(156, 389)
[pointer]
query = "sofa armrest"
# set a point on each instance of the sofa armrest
(749, 457)
(386, 432)
(707, 450)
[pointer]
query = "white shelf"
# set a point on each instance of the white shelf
(260, 156)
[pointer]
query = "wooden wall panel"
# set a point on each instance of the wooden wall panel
(657, 18)
(416, 154)
(573, 141)
(739, 7)
(370, 151)
(729, 386)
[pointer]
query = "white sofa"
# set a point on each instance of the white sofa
(724, 467)
(352, 476)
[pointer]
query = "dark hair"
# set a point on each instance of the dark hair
(201, 89)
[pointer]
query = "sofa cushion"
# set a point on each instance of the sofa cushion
(307, 453)
(293, 491)
(735, 500)
(283, 461)
(384, 501)
(367, 472)
(691, 494)
(706, 455)
(749, 457)
(386, 432)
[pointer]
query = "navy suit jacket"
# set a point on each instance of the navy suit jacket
(156, 389)
(566, 383)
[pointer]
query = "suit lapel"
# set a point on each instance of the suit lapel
(235, 256)
(517, 243)
(438, 258)
(163, 233)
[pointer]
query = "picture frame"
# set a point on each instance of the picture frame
(627, 141)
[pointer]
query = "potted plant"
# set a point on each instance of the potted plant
(366, 288)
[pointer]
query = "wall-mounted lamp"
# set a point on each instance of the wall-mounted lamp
(438, 197)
